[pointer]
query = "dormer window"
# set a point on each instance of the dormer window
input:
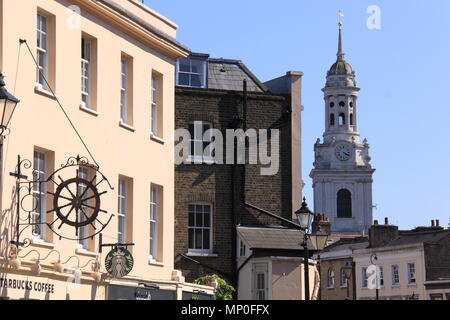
(191, 72)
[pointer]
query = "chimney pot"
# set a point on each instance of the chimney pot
(432, 223)
(375, 222)
(437, 223)
(386, 221)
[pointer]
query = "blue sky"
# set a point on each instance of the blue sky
(403, 71)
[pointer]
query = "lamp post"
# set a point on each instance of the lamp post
(305, 218)
(8, 104)
(348, 270)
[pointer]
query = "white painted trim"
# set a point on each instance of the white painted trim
(127, 126)
(157, 139)
(88, 110)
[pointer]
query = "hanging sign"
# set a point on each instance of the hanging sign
(119, 262)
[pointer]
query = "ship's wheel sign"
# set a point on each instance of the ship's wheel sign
(119, 262)
(77, 200)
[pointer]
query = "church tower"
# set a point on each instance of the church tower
(342, 174)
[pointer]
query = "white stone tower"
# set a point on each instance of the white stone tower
(342, 174)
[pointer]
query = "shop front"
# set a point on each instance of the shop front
(26, 285)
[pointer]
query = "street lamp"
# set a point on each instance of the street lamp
(8, 102)
(348, 270)
(305, 218)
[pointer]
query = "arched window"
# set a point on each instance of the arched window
(351, 119)
(330, 279)
(332, 119)
(331, 104)
(341, 119)
(342, 104)
(344, 204)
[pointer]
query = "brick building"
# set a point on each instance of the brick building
(211, 198)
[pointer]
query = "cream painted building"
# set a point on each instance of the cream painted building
(111, 65)
(412, 265)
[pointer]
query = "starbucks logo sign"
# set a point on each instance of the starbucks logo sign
(119, 262)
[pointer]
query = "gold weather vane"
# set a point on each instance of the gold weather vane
(341, 15)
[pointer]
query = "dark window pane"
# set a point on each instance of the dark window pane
(191, 239)
(198, 238)
(344, 204)
(197, 66)
(191, 219)
(183, 79)
(207, 220)
(196, 80)
(198, 219)
(184, 65)
(206, 239)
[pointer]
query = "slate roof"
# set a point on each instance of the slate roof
(410, 237)
(273, 238)
(226, 74)
(348, 244)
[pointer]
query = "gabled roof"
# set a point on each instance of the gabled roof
(275, 238)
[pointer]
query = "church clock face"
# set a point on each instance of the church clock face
(343, 152)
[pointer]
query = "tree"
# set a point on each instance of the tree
(224, 290)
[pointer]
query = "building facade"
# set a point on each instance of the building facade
(111, 66)
(213, 197)
(406, 265)
(335, 283)
(342, 174)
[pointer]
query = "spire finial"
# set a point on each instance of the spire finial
(340, 53)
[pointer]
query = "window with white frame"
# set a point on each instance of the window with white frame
(83, 212)
(330, 279)
(260, 281)
(200, 228)
(381, 276)
(122, 210)
(155, 208)
(395, 275)
(411, 273)
(42, 50)
(364, 277)
(86, 72)
(156, 111)
(39, 191)
(242, 249)
(124, 74)
(200, 139)
(343, 279)
(191, 72)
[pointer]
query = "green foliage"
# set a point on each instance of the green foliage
(224, 289)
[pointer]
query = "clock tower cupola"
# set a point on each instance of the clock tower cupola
(342, 174)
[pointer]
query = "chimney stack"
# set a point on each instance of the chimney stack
(437, 223)
(432, 223)
(381, 234)
(321, 224)
(386, 221)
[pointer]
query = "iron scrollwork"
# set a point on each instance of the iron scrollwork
(76, 201)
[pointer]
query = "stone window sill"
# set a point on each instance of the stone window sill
(202, 254)
(155, 263)
(40, 90)
(85, 252)
(157, 139)
(88, 110)
(127, 126)
(42, 243)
